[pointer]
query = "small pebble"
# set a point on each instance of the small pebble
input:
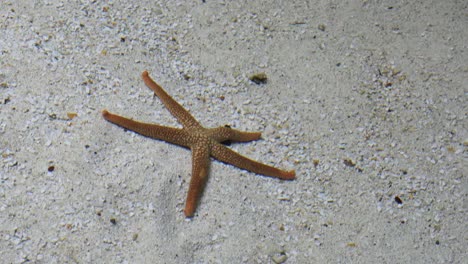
(321, 27)
(279, 258)
(259, 78)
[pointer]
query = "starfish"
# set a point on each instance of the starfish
(203, 142)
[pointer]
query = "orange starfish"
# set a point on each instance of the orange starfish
(204, 142)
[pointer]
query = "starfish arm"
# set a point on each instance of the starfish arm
(200, 167)
(172, 135)
(221, 134)
(178, 111)
(227, 155)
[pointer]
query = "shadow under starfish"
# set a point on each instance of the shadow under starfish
(204, 142)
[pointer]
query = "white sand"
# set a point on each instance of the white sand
(375, 93)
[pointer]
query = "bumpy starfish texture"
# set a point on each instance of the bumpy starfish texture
(204, 142)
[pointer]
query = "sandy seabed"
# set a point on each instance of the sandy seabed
(366, 100)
